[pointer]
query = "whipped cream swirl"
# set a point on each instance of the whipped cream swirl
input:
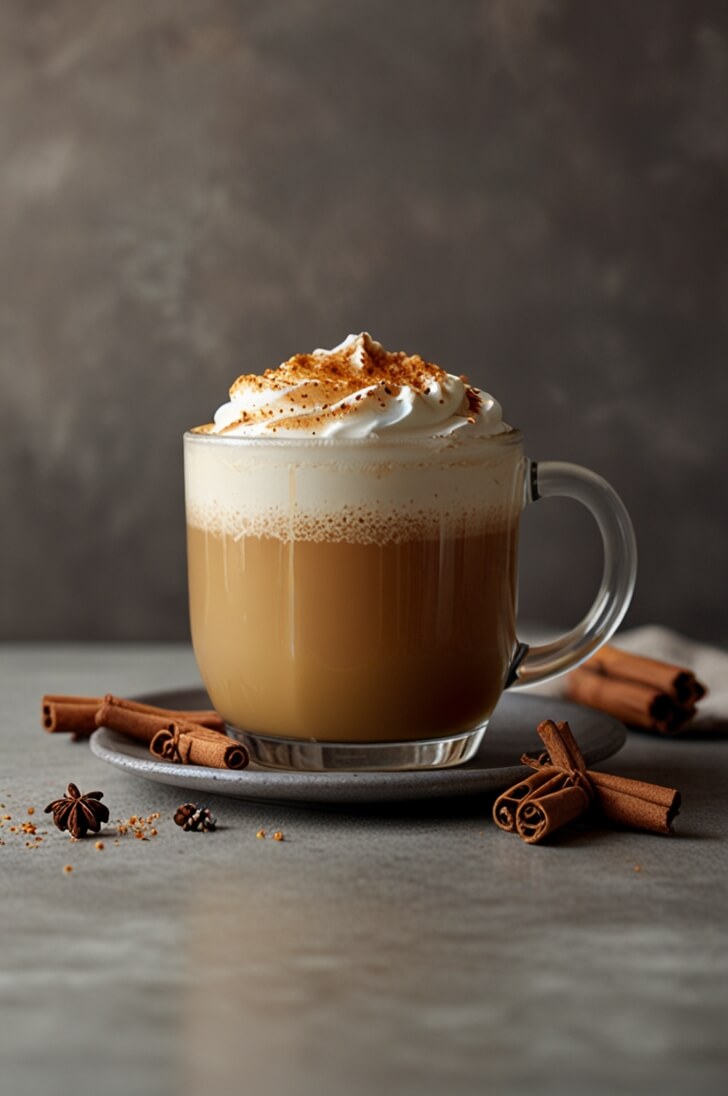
(356, 390)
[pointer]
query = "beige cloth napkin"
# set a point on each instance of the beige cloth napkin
(709, 664)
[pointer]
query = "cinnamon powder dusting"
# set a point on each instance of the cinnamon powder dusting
(378, 366)
(328, 379)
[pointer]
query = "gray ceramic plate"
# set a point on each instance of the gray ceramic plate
(511, 733)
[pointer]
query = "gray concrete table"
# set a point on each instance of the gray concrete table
(409, 950)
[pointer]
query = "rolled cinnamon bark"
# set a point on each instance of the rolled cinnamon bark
(78, 715)
(142, 721)
(69, 714)
(561, 746)
(566, 789)
(539, 816)
(679, 683)
(189, 744)
(141, 726)
(540, 782)
(638, 704)
(205, 718)
(635, 803)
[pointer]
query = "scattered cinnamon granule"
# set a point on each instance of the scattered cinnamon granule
(278, 836)
(260, 833)
(638, 867)
(137, 826)
(68, 868)
(31, 810)
(7, 817)
(99, 845)
(28, 827)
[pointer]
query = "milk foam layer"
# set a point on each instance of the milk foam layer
(356, 390)
(365, 494)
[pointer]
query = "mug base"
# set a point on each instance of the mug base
(306, 755)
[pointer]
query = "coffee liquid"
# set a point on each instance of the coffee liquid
(338, 641)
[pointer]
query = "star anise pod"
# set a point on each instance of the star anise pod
(191, 817)
(79, 813)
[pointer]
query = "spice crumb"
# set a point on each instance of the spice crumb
(31, 810)
(638, 867)
(68, 868)
(137, 826)
(260, 833)
(99, 845)
(278, 836)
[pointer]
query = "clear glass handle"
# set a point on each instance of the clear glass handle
(548, 478)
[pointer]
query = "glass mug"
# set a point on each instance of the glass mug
(353, 603)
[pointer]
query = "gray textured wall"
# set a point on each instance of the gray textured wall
(531, 191)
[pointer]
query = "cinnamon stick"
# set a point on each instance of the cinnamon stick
(142, 721)
(69, 714)
(204, 717)
(77, 715)
(542, 781)
(540, 815)
(561, 789)
(189, 744)
(639, 704)
(622, 800)
(635, 803)
(629, 802)
(141, 726)
(561, 746)
(676, 682)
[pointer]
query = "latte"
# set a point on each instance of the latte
(353, 593)
(352, 538)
